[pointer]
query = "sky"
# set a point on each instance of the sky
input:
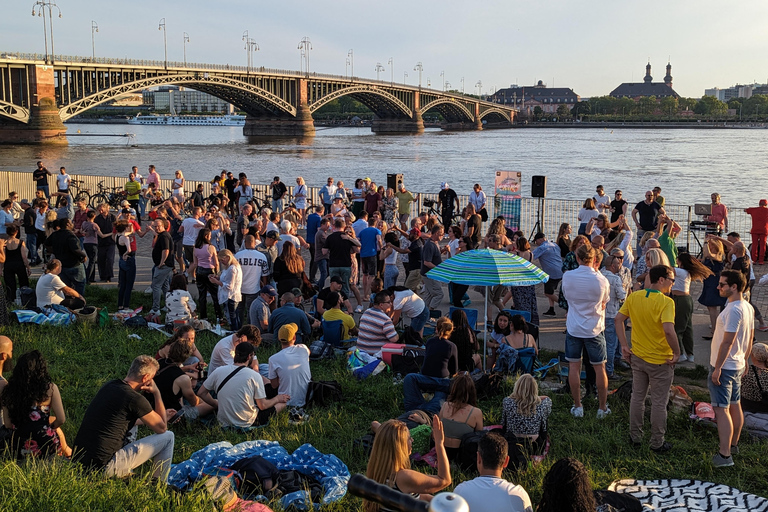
(589, 46)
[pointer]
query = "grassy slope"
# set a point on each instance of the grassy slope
(83, 357)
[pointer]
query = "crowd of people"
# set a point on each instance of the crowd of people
(623, 265)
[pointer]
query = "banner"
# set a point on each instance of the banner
(508, 198)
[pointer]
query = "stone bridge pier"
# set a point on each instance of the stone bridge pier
(45, 125)
(265, 125)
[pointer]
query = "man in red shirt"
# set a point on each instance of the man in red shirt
(759, 230)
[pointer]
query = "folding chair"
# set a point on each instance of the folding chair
(332, 334)
(525, 314)
(472, 315)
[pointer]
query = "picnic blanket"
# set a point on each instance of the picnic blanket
(331, 472)
(684, 495)
(53, 314)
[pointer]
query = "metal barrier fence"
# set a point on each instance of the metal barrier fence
(554, 212)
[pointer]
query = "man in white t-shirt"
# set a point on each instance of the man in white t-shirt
(289, 368)
(224, 352)
(190, 227)
(255, 268)
(602, 201)
(240, 397)
(489, 492)
(286, 236)
(62, 181)
(731, 344)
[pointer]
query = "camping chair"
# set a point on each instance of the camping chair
(526, 358)
(525, 314)
(332, 333)
(540, 373)
(533, 330)
(472, 315)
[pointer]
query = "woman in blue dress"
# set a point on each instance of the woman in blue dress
(714, 259)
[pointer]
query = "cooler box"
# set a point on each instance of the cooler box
(395, 348)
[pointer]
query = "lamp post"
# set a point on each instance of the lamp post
(186, 40)
(391, 63)
(405, 75)
(161, 26)
(305, 45)
(94, 29)
(351, 55)
(447, 86)
(442, 75)
(250, 46)
(429, 82)
(379, 69)
(41, 5)
(346, 67)
(419, 68)
(479, 86)
(462, 85)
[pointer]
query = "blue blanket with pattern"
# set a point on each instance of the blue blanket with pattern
(331, 472)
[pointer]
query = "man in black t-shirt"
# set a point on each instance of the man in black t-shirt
(618, 206)
(336, 285)
(447, 198)
(40, 177)
(644, 215)
(111, 418)
(106, 245)
(65, 247)
(278, 194)
(430, 258)
(474, 224)
(339, 247)
(162, 257)
(229, 185)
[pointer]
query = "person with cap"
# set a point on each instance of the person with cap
(255, 268)
(279, 190)
(260, 312)
(447, 198)
(224, 351)
(327, 194)
(759, 231)
(288, 313)
(336, 285)
(289, 371)
(241, 400)
(550, 261)
(268, 247)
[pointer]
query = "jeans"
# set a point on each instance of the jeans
(204, 287)
(135, 205)
(312, 264)
(126, 276)
(415, 384)
(611, 342)
(106, 261)
(74, 277)
(657, 378)
(143, 206)
(158, 447)
(322, 267)
(161, 282)
(345, 273)
(244, 307)
(90, 272)
(230, 309)
(391, 273)
(277, 205)
(418, 322)
(32, 247)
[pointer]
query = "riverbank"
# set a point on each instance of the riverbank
(693, 125)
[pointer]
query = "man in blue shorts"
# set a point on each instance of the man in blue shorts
(587, 293)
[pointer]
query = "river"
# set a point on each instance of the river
(687, 164)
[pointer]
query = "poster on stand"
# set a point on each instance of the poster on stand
(508, 198)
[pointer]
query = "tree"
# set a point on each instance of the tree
(563, 112)
(538, 112)
(710, 106)
(668, 105)
(647, 104)
(687, 103)
(626, 106)
(581, 109)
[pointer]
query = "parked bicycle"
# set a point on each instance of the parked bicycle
(112, 196)
(433, 208)
(78, 192)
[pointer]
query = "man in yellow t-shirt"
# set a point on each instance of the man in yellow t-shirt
(653, 355)
(404, 200)
(334, 312)
(133, 188)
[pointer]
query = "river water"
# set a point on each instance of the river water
(687, 164)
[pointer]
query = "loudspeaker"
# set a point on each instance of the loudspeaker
(394, 181)
(538, 186)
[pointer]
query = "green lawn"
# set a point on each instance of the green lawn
(83, 357)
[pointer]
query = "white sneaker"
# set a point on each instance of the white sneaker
(603, 413)
(683, 358)
(690, 359)
(359, 309)
(578, 412)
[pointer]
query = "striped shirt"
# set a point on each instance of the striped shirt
(375, 331)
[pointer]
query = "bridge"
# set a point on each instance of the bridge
(37, 97)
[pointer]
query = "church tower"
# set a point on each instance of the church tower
(648, 78)
(668, 78)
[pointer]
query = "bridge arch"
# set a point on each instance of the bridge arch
(450, 108)
(251, 99)
(495, 114)
(381, 102)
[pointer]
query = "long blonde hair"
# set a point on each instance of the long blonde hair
(713, 250)
(390, 454)
(655, 256)
(226, 253)
(526, 394)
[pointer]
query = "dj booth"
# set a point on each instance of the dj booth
(699, 229)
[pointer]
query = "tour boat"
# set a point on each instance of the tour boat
(231, 120)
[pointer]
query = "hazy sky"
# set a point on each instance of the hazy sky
(590, 46)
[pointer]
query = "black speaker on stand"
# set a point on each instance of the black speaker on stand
(539, 191)
(394, 181)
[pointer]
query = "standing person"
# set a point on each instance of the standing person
(288, 269)
(6, 218)
(106, 246)
(268, 247)
(178, 186)
(40, 177)
(313, 224)
(327, 194)
(16, 265)
(205, 264)
(586, 214)
(62, 181)
(229, 282)
(300, 193)
(587, 293)
(162, 257)
(448, 199)
(370, 245)
(474, 225)
(389, 207)
(602, 201)
(65, 246)
(244, 191)
(564, 239)
(197, 198)
(759, 231)
(478, 199)
(81, 215)
(611, 269)
(653, 355)
(688, 269)
(28, 222)
(524, 297)
(40, 232)
(126, 264)
(321, 258)
(255, 269)
(730, 349)
(153, 179)
(644, 214)
(551, 262)
(133, 189)
(372, 200)
(404, 200)
(431, 258)
(339, 247)
(112, 415)
(618, 207)
(719, 213)
(289, 371)
(279, 190)
(658, 197)
(90, 231)
(190, 227)
(714, 259)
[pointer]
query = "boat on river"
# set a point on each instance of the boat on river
(170, 120)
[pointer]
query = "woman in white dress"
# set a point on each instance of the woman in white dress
(300, 199)
(178, 186)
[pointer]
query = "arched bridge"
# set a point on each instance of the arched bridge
(35, 98)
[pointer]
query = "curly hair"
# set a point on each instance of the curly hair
(29, 384)
(566, 488)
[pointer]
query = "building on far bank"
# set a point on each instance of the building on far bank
(647, 87)
(175, 99)
(737, 91)
(539, 95)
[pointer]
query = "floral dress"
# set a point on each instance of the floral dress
(388, 208)
(37, 437)
(524, 298)
(569, 263)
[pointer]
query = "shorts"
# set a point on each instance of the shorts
(188, 253)
(178, 249)
(729, 390)
(370, 265)
(595, 349)
(403, 217)
(551, 285)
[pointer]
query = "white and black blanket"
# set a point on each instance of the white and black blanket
(685, 495)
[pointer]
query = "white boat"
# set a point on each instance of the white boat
(231, 120)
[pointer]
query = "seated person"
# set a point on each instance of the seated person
(241, 400)
(465, 339)
(407, 304)
(181, 306)
(288, 313)
(524, 413)
(376, 328)
(518, 336)
(51, 289)
(224, 351)
(186, 335)
(334, 312)
(113, 414)
(289, 370)
(32, 407)
(298, 301)
(174, 385)
(441, 357)
(489, 492)
(754, 383)
(390, 463)
(502, 327)
(335, 285)
(260, 312)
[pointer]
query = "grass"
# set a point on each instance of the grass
(82, 357)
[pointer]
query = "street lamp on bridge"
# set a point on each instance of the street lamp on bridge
(94, 29)
(305, 45)
(391, 63)
(479, 86)
(351, 56)
(379, 69)
(442, 75)
(462, 85)
(186, 40)
(41, 5)
(419, 68)
(405, 75)
(447, 86)
(161, 26)
(250, 46)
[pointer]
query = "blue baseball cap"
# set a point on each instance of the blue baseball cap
(269, 290)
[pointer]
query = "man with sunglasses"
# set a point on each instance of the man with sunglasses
(653, 355)
(644, 215)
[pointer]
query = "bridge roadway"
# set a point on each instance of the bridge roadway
(36, 98)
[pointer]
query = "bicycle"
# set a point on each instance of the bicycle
(79, 194)
(433, 208)
(111, 196)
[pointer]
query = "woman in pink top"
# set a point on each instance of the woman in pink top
(205, 264)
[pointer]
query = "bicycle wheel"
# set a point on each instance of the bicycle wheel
(97, 199)
(83, 196)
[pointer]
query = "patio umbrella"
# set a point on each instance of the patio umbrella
(488, 267)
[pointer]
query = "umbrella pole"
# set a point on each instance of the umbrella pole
(485, 331)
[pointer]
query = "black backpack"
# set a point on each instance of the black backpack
(319, 349)
(323, 393)
(487, 384)
(409, 362)
(256, 472)
(28, 297)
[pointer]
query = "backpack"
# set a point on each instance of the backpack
(409, 362)
(624, 392)
(28, 297)
(323, 393)
(411, 336)
(320, 350)
(487, 384)
(259, 475)
(135, 321)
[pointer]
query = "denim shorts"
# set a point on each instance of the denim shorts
(729, 390)
(595, 348)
